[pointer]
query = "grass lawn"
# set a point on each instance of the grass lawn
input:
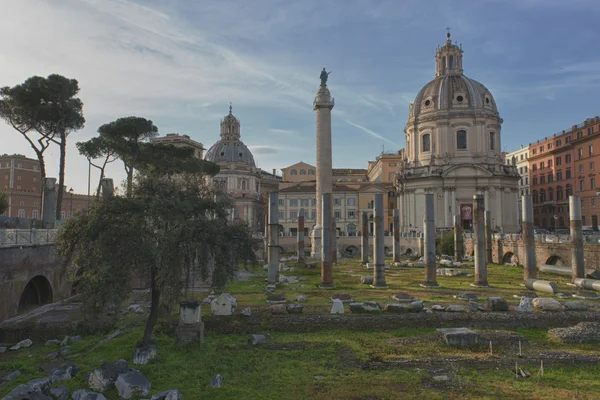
(341, 364)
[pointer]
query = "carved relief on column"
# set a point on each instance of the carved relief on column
(428, 190)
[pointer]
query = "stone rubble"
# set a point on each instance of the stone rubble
(546, 304)
(171, 394)
(524, 305)
(59, 393)
(143, 354)
(246, 312)
(278, 309)
(576, 305)
(338, 307)
(366, 306)
(64, 372)
(294, 308)
(496, 304)
(23, 344)
(216, 381)
(301, 298)
(583, 332)
(132, 383)
(104, 377)
(225, 304)
(83, 394)
(459, 336)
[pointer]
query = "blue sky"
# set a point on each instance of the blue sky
(180, 63)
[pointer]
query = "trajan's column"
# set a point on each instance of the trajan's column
(322, 105)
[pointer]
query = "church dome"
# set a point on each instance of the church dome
(451, 91)
(230, 149)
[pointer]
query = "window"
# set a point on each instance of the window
(351, 214)
(583, 219)
(580, 153)
(526, 168)
(294, 202)
(550, 194)
(567, 158)
(21, 213)
(521, 181)
(293, 214)
(589, 131)
(591, 150)
(293, 172)
(521, 170)
(581, 185)
(18, 187)
(337, 214)
(461, 139)
(550, 178)
(593, 201)
(558, 143)
(35, 214)
(592, 166)
(592, 183)
(22, 203)
(426, 145)
(492, 141)
(526, 181)
(311, 171)
(281, 216)
(281, 202)
(351, 229)
(534, 167)
(582, 202)
(535, 196)
(568, 139)
(18, 177)
(569, 191)
(559, 193)
(351, 201)
(313, 215)
(549, 146)
(19, 165)
(542, 179)
(534, 151)
(62, 215)
(568, 175)
(558, 161)
(542, 196)
(579, 135)
(542, 165)
(534, 181)
(337, 201)
(521, 157)
(549, 163)
(314, 202)
(581, 168)
(302, 172)
(541, 149)
(559, 176)
(304, 202)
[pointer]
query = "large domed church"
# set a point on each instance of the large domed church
(453, 150)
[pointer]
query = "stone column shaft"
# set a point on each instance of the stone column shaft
(266, 239)
(378, 243)
(301, 237)
(479, 239)
(49, 203)
(364, 240)
(396, 247)
(458, 239)
(429, 243)
(488, 237)
(326, 267)
(333, 241)
(273, 238)
(576, 237)
(529, 262)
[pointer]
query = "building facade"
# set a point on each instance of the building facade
(453, 142)
(520, 159)
(561, 166)
(181, 141)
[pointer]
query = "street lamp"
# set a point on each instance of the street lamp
(71, 206)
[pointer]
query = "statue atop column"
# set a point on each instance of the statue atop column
(324, 76)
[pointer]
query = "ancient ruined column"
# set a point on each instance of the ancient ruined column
(323, 104)
(396, 246)
(107, 187)
(458, 239)
(364, 240)
(488, 237)
(301, 237)
(49, 203)
(429, 243)
(378, 243)
(333, 241)
(576, 237)
(266, 240)
(529, 262)
(273, 238)
(326, 267)
(479, 239)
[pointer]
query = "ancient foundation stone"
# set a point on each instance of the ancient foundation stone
(497, 304)
(225, 304)
(459, 336)
(143, 354)
(190, 333)
(546, 304)
(132, 383)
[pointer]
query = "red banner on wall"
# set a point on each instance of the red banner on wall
(466, 212)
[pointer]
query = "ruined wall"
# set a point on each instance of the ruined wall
(19, 265)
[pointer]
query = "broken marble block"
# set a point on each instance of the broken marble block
(459, 336)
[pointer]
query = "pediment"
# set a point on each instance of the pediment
(466, 171)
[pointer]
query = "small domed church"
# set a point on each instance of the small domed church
(453, 151)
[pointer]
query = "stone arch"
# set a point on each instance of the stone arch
(352, 251)
(408, 251)
(554, 260)
(38, 291)
(510, 258)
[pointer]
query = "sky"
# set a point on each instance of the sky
(180, 63)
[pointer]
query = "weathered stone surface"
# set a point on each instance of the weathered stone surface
(468, 296)
(496, 304)
(417, 306)
(83, 394)
(437, 307)
(344, 297)
(104, 377)
(524, 305)
(581, 333)
(216, 381)
(225, 304)
(586, 294)
(441, 378)
(171, 394)
(576, 305)
(190, 312)
(3, 349)
(59, 393)
(247, 312)
(11, 376)
(546, 304)
(26, 392)
(52, 342)
(40, 385)
(397, 308)
(256, 339)
(459, 336)
(276, 298)
(366, 280)
(64, 372)
(23, 344)
(541, 286)
(338, 307)
(456, 308)
(189, 333)
(294, 308)
(366, 306)
(301, 298)
(278, 309)
(75, 339)
(402, 297)
(143, 354)
(65, 351)
(132, 383)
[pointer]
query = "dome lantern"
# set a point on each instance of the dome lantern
(448, 59)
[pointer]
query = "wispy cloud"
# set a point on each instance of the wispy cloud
(372, 133)
(256, 149)
(283, 131)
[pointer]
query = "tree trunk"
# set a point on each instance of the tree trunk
(40, 157)
(152, 318)
(129, 181)
(61, 174)
(100, 183)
